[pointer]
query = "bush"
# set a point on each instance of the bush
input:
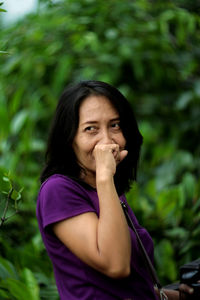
(150, 51)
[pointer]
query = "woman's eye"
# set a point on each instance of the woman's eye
(115, 125)
(90, 128)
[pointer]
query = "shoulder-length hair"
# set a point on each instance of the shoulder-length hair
(60, 157)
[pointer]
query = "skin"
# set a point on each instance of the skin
(175, 295)
(99, 146)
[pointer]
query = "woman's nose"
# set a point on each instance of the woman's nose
(106, 137)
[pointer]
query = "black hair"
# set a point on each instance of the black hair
(60, 157)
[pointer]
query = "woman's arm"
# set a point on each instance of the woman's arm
(113, 233)
(103, 243)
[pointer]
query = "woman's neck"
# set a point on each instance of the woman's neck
(89, 178)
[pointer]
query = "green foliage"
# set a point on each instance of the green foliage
(172, 216)
(1, 9)
(11, 198)
(24, 284)
(150, 51)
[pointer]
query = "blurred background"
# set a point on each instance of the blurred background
(150, 50)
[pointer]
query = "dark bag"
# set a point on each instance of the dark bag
(190, 275)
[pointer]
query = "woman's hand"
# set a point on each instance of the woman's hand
(181, 294)
(107, 156)
(186, 290)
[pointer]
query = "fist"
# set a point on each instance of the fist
(107, 156)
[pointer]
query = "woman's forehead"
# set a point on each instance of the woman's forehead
(97, 106)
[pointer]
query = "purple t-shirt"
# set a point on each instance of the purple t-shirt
(61, 197)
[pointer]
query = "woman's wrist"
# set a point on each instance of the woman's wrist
(104, 176)
(171, 294)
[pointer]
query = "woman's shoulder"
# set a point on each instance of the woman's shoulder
(60, 182)
(55, 179)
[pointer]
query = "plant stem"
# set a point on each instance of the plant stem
(3, 218)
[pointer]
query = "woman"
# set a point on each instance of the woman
(91, 160)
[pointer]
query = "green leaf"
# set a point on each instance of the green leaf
(17, 289)
(16, 195)
(31, 284)
(19, 121)
(5, 182)
(6, 179)
(7, 269)
(177, 233)
(4, 295)
(189, 185)
(164, 255)
(184, 100)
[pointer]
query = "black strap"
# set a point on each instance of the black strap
(147, 260)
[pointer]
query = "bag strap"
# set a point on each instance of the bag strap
(147, 260)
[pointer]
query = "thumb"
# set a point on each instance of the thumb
(123, 154)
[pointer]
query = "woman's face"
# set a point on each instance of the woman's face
(99, 123)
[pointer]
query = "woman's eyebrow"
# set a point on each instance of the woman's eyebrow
(89, 122)
(94, 122)
(115, 119)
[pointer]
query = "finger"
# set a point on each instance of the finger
(186, 288)
(115, 150)
(106, 147)
(123, 154)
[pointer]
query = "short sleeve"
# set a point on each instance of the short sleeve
(62, 198)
